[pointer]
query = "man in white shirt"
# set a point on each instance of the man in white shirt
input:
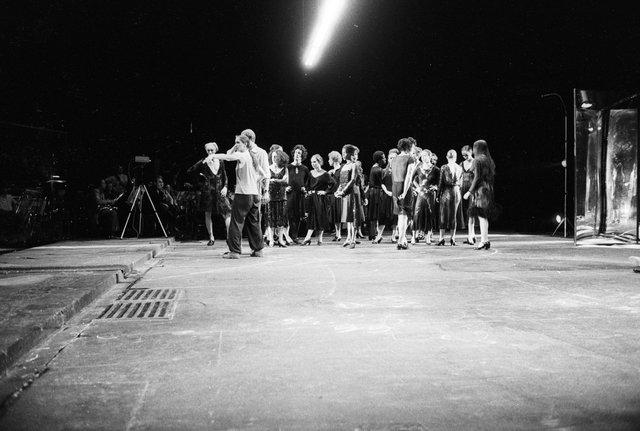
(261, 160)
(246, 202)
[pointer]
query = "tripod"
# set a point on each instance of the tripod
(562, 222)
(141, 191)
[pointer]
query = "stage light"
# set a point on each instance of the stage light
(558, 218)
(564, 163)
(328, 16)
(586, 100)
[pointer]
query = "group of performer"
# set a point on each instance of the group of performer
(406, 190)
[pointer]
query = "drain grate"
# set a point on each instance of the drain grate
(136, 304)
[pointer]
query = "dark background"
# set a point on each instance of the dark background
(88, 85)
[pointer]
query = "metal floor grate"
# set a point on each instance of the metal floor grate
(135, 304)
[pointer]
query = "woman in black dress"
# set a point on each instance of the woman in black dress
(386, 214)
(276, 207)
(467, 179)
(449, 193)
(376, 196)
(420, 207)
(335, 160)
(427, 178)
(352, 206)
(296, 190)
(213, 195)
(482, 206)
(318, 209)
(361, 191)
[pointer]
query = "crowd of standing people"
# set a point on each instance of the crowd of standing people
(276, 196)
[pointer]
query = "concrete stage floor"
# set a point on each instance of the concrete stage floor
(533, 334)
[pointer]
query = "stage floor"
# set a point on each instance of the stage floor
(533, 334)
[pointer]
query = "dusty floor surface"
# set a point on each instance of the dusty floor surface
(532, 334)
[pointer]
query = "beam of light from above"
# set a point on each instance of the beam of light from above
(328, 16)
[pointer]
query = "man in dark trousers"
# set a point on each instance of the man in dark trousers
(246, 203)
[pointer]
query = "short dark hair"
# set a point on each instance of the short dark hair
(281, 157)
(405, 144)
(465, 149)
(349, 150)
(302, 148)
(377, 156)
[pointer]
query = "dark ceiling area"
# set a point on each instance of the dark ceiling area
(86, 85)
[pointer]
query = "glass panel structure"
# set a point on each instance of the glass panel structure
(606, 160)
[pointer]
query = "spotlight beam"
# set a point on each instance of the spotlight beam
(328, 16)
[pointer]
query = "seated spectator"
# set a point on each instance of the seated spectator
(165, 204)
(103, 212)
(8, 206)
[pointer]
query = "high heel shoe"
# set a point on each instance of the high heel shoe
(484, 245)
(346, 244)
(471, 241)
(440, 243)
(319, 242)
(404, 246)
(306, 242)
(282, 244)
(271, 243)
(413, 241)
(377, 241)
(352, 245)
(211, 242)
(334, 239)
(452, 242)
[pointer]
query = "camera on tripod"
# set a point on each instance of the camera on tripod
(138, 192)
(143, 160)
(140, 162)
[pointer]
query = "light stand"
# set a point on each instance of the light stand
(140, 192)
(564, 165)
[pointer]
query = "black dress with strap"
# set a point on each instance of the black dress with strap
(318, 205)
(211, 199)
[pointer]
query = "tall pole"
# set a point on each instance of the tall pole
(564, 162)
(564, 165)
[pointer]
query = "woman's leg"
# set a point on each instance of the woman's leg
(308, 236)
(350, 233)
(281, 231)
(286, 234)
(320, 233)
(380, 232)
(402, 228)
(484, 229)
(269, 235)
(472, 229)
(209, 224)
(338, 230)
